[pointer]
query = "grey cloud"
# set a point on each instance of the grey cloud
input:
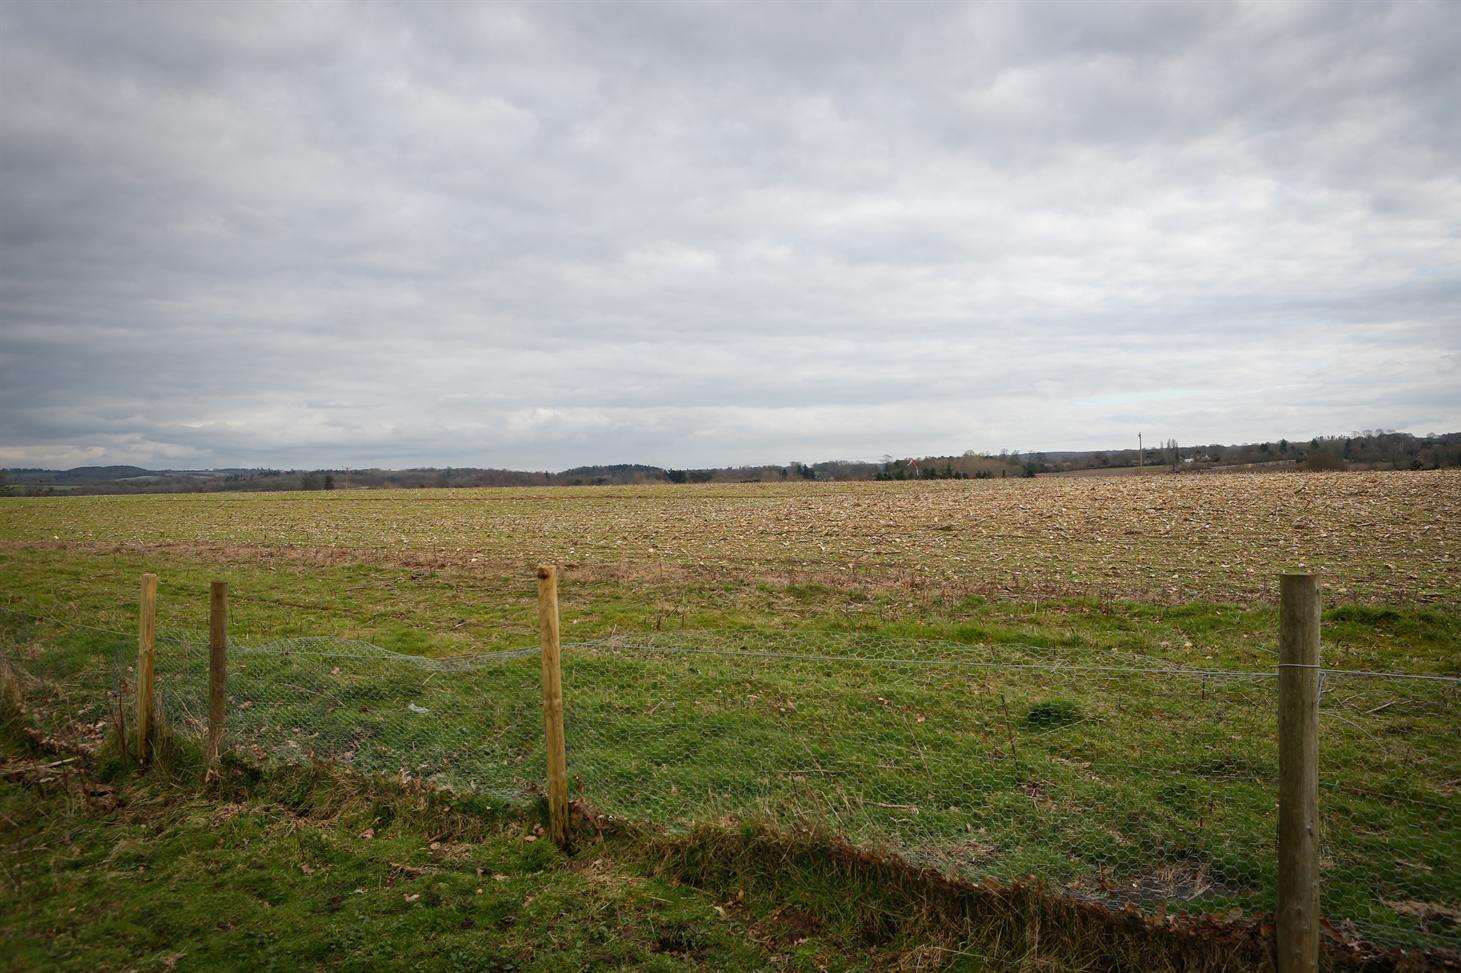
(541, 235)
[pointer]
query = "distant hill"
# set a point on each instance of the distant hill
(87, 474)
(615, 473)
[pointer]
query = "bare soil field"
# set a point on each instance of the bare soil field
(1393, 537)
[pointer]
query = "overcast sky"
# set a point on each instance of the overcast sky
(699, 234)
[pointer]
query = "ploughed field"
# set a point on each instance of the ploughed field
(1380, 537)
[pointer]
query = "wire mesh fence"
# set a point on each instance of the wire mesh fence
(464, 724)
(1100, 781)
(1390, 814)
(1126, 784)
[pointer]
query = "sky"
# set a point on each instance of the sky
(694, 234)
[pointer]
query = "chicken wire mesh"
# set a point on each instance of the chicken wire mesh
(1390, 814)
(1125, 784)
(63, 677)
(470, 723)
(1106, 783)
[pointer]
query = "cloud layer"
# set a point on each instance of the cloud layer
(545, 235)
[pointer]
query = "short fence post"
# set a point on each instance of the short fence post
(146, 664)
(1298, 774)
(217, 653)
(553, 705)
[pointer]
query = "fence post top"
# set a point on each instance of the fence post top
(546, 571)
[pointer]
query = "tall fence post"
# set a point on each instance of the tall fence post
(553, 705)
(1298, 774)
(217, 661)
(146, 664)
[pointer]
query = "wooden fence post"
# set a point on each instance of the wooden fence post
(217, 653)
(553, 705)
(146, 664)
(1298, 774)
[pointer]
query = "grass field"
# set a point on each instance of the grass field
(840, 656)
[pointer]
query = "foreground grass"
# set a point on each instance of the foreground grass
(1150, 789)
(157, 875)
(106, 868)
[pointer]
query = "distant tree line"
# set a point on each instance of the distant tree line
(1370, 449)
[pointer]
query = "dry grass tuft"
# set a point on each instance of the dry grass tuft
(12, 697)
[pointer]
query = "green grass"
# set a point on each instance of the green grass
(1146, 788)
(446, 611)
(154, 875)
(314, 868)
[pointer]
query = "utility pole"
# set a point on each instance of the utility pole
(1140, 453)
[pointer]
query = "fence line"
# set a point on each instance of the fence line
(1141, 784)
